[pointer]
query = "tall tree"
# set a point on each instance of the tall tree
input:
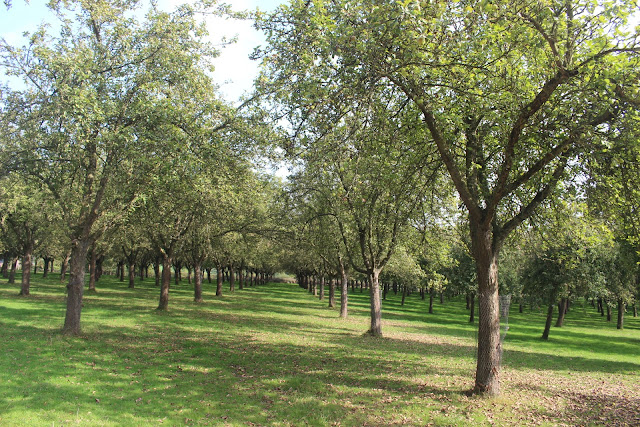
(509, 93)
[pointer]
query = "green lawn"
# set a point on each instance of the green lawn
(274, 355)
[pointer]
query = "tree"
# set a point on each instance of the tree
(93, 92)
(509, 93)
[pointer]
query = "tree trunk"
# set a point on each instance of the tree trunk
(562, 309)
(35, 264)
(64, 267)
(12, 273)
(441, 297)
(5, 266)
(75, 288)
(208, 275)
(156, 272)
(132, 275)
(321, 289)
(547, 325)
(167, 261)
(197, 282)
(404, 294)
(431, 301)
(376, 304)
(620, 314)
(635, 310)
(232, 279)
(385, 289)
(344, 291)
(332, 293)
(241, 278)
(489, 346)
(218, 282)
(600, 307)
(468, 302)
(92, 270)
(608, 312)
(472, 308)
(26, 269)
(45, 268)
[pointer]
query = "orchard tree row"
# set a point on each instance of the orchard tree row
(429, 144)
(514, 107)
(115, 143)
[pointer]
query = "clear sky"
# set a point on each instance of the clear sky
(234, 71)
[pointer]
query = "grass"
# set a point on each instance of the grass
(274, 355)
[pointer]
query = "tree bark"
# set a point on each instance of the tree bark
(241, 278)
(472, 308)
(26, 269)
(344, 291)
(75, 288)
(547, 325)
(197, 282)
(562, 309)
(132, 275)
(92, 270)
(376, 304)
(621, 305)
(232, 278)
(321, 289)
(64, 267)
(12, 272)
(608, 312)
(5, 265)
(156, 272)
(489, 346)
(218, 282)
(167, 261)
(404, 294)
(332, 293)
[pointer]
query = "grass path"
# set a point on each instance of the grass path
(274, 355)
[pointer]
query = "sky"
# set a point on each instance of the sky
(234, 70)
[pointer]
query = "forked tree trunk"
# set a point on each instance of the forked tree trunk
(167, 261)
(26, 270)
(75, 288)
(562, 309)
(489, 346)
(547, 325)
(620, 314)
(197, 282)
(376, 304)
(344, 291)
